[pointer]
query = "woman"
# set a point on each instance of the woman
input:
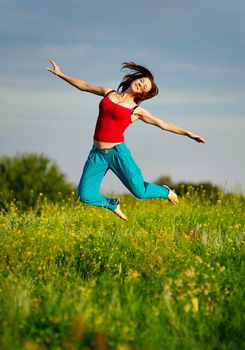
(117, 110)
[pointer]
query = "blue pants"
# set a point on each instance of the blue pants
(120, 161)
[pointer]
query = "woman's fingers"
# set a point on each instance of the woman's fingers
(201, 139)
(198, 138)
(53, 63)
(55, 68)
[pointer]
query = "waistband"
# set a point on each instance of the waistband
(118, 148)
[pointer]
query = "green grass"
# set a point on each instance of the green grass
(77, 277)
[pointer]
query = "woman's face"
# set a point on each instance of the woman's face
(141, 85)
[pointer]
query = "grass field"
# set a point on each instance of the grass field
(77, 277)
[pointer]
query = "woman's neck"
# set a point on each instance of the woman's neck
(127, 97)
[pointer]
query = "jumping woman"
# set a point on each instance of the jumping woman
(117, 110)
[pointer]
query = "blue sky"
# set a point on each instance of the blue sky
(196, 50)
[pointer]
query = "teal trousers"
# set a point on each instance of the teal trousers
(119, 160)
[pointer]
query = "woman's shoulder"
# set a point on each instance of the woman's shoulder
(107, 91)
(140, 110)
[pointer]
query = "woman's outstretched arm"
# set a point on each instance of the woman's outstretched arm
(77, 83)
(147, 117)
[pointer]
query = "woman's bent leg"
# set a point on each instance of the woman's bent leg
(124, 166)
(94, 170)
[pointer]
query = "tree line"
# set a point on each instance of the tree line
(26, 177)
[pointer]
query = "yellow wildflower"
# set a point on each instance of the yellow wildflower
(194, 302)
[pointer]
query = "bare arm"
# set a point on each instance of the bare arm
(77, 83)
(148, 118)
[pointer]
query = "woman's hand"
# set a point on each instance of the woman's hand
(55, 68)
(197, 138)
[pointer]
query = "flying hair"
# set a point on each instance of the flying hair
(137, 72)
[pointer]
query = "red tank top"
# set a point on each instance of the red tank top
(112, 121)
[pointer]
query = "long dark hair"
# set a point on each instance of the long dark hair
(138, 72)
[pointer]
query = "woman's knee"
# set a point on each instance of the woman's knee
(139, 193)
(83, 195)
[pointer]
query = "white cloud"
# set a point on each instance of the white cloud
(193, 97)
(30, 104)
(200, 69)
(64, 51)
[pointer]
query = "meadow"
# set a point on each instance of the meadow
(77, 277)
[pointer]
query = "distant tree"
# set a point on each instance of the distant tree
(207, 189)
(164, 180)
(26, 177)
